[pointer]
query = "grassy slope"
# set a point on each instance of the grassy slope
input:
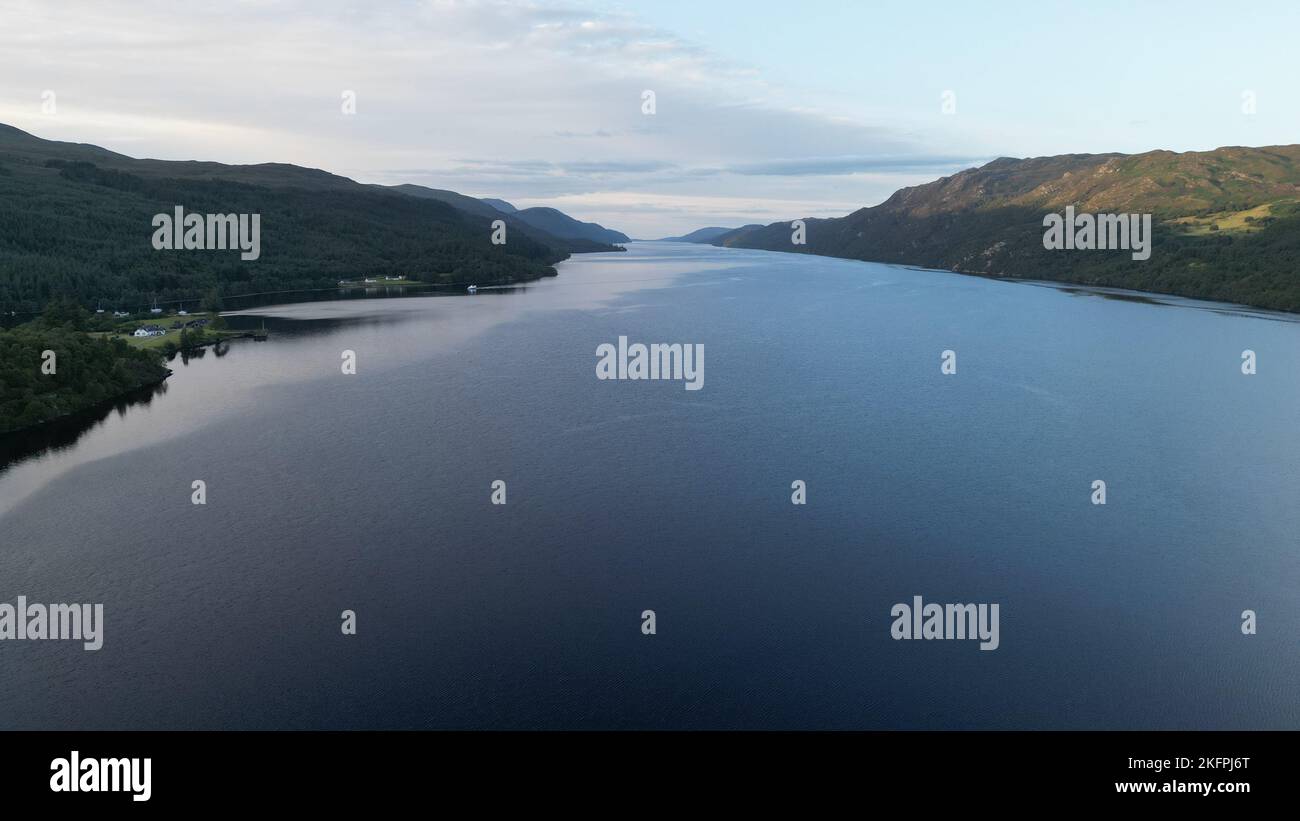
(989, 221)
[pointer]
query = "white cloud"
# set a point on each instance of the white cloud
(525, 101)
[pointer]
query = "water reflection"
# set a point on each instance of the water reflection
(371, 492)
(1161, 300)
(63, 433)
(386, 330)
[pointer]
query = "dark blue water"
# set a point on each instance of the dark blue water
(371, 492)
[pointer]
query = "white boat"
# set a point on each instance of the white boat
(473, 289)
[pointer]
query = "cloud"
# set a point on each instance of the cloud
(598, 133)
(520, 100)
(823, 166)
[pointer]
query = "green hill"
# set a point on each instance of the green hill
(75, 220)
(87, 371)
(1226, 223)
(560, 224)
(577, 241)
(707, 235)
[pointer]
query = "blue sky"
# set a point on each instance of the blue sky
(1030, 77)
(764, 110)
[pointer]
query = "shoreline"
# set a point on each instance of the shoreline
(90, 414)
(1106, 292)
(14, 319)
(1165, 298)
(93, 413)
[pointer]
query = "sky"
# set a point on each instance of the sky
(762, 111)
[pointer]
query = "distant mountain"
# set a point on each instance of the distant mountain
(706, 235)
(469, 205)
(548, 225)
(560, 224)
(1226, 223)
(514, 223)
(76, 220)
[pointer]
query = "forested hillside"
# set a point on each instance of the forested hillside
(1226, 223)
(83, 372)
(76, 220)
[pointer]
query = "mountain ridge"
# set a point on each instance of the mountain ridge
(707, 235)
(556, 222)
(1226, 223)
(517, 220)
(76, 221)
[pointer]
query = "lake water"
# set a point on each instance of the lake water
(371, 492)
